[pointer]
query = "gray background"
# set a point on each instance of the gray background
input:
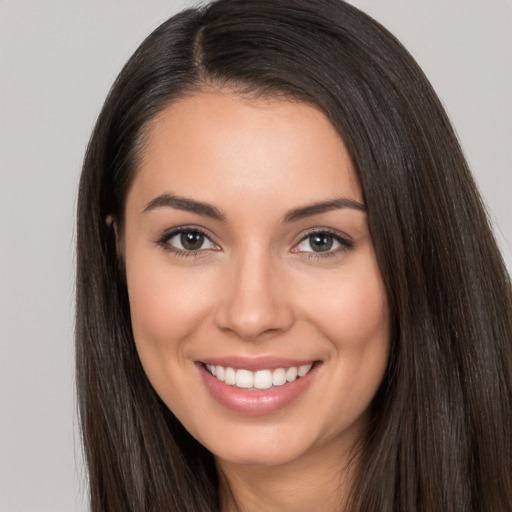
(57, 61)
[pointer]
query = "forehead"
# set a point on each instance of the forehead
(216, 142)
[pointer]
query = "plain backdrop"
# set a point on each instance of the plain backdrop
(57, 62)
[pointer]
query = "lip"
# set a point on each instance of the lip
(255, 363)
(251, 401)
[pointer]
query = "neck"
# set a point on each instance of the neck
(314, 482)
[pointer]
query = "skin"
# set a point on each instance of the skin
(257, 289)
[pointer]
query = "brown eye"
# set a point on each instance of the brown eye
(192, 240)
(188, 240)
(321, 242)
(318, 242)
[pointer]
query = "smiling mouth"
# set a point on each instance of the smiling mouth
(260, 379)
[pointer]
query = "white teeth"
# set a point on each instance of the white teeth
(230, 376)
(302, 369)
(261, 379)
(291, 374)
(279, 377)
(219, 373)
(244, 379)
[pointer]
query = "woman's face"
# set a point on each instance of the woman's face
(248, 256)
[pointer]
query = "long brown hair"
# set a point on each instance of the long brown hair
(440, 437)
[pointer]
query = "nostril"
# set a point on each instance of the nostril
(252, 321)
(252, 302)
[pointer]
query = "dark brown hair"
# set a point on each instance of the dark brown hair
(440, 438)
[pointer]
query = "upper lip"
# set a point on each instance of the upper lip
(255, 363)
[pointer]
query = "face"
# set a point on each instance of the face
(257, 306)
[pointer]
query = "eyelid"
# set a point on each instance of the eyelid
(167, 234)
(342, 238)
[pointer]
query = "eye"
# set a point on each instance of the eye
(187, 241)
(322, 242)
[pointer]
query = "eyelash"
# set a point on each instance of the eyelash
(163, 242)
(345, 244)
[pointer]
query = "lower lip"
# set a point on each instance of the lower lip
(255, 401)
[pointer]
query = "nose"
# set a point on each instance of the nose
(254, 301)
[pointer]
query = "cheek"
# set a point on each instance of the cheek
(353, 314)
(165, 306)
(353, 310)
(157, 307)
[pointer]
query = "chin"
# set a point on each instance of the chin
(255, 456)
(268, 446)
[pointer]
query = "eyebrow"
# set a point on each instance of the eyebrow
(208, 210)
(318, 208)
(183, 203)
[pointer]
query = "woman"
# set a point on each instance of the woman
(288, 295)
